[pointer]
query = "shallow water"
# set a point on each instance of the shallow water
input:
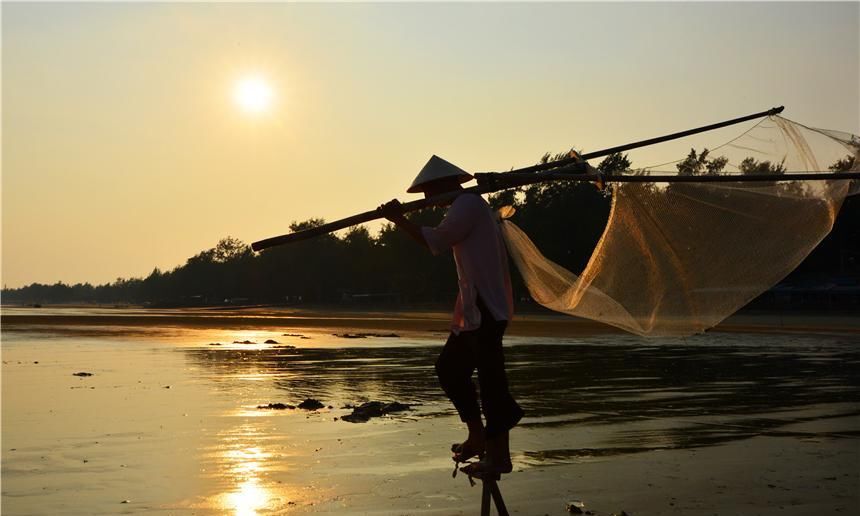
(169, 424)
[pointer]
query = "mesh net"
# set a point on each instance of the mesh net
(678, 258)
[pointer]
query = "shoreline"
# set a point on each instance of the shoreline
(528, 324)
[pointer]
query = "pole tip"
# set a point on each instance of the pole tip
(776, 110)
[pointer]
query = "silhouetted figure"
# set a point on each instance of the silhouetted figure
(481, 314)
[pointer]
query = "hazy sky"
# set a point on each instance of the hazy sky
(124, 148)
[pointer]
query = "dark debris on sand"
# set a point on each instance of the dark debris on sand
(311, 404)
(270, 341)
(574, 507)
(365, 411)
(243, 342)
(82, 373)
(276, 406)
(308, 404)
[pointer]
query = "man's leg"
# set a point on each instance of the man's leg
(500, 409)
(454, 367)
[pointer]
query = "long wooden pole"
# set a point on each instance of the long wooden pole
(672, 178)
(650, 141)
(573, 165)
(420, 204)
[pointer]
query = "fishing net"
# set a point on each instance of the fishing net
(678, 258)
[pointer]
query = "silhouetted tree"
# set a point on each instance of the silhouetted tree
(699, 164)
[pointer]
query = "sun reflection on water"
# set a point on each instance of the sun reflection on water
(244, 463)
(248, 499)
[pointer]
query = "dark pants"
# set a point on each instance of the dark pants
(479, 349)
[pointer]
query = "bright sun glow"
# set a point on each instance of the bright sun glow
(248, 499)
(253, 95)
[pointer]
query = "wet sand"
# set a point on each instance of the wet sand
(731, 422)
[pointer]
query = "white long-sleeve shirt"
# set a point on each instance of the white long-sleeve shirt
(470, 228)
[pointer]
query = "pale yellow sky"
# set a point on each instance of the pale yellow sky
(124, 148)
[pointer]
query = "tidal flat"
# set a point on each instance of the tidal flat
(761, 416)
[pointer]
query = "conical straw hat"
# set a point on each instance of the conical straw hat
(437, 168)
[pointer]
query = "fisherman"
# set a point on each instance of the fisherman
(481, 314)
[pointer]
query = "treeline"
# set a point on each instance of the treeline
(564, 219)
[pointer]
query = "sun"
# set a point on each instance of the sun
(253, 94)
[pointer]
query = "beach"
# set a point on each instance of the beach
(760, 416)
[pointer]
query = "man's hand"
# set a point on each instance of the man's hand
(392, 210)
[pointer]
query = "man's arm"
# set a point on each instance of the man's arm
(393, 211)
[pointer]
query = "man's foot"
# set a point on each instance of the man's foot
(471, 447)
(474, 445)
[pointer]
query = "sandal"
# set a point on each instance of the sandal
(483, 470)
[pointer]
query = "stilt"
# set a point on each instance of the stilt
(491, 489)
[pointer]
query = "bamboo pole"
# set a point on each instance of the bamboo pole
(493, 181)
(650, 141)
(672, 178)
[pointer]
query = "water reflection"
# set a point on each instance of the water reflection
(641, 396)
(248, 499)
(241, 461)
(252, 469)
